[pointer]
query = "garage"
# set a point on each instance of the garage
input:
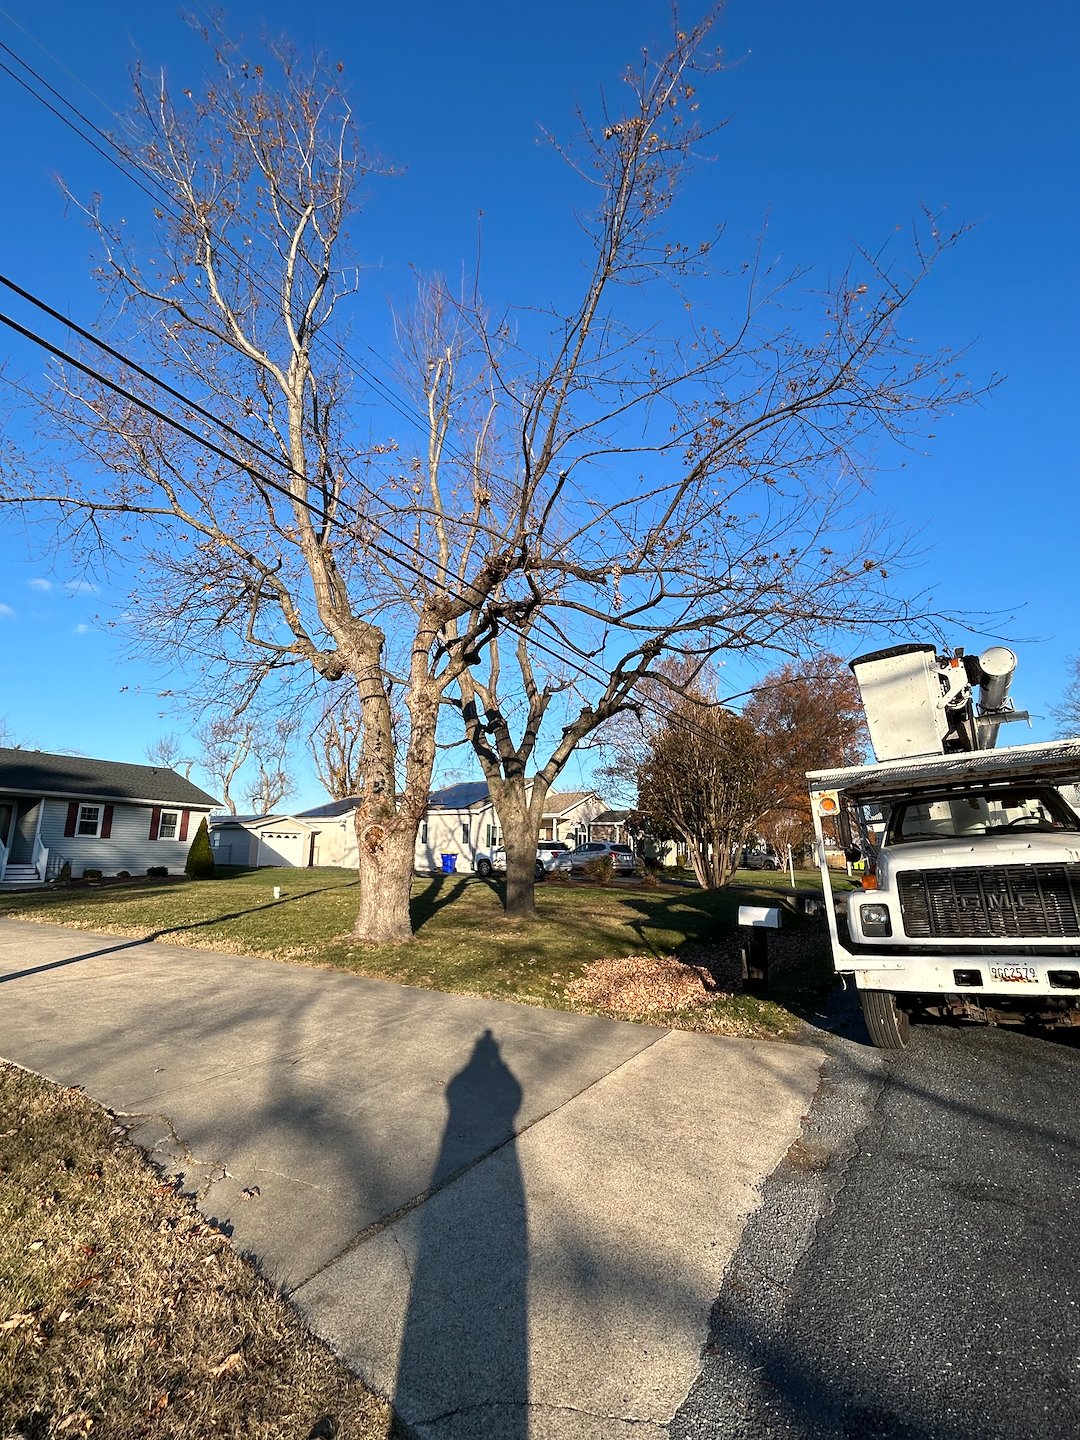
(283, 845)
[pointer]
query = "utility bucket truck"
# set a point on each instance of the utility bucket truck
(970, 899)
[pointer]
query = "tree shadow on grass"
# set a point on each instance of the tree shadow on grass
(441, 890)
(163, 933)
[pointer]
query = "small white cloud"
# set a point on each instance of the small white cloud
(80, 587)
(6, 612)
(82, 630)
(38, 584)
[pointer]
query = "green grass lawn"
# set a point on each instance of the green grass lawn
(462, 942)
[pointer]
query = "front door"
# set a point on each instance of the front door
(21, 850)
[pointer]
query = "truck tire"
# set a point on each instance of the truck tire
(889, 1026)
(483, 868)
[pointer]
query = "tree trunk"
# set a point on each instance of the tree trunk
(519, 841)
(386, 873)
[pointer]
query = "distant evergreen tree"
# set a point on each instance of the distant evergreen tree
(200, 861)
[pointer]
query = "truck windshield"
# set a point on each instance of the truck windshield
(980, 812)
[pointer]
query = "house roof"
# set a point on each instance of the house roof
(459, 797)
(34, 772)
(610, 817)
(558, 803)
(331, 810)
(463, 796)
(219, 822)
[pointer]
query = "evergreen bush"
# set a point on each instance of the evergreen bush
(200, 860)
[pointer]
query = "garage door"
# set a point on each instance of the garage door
(282, 847)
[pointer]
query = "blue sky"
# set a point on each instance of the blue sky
(843, 120)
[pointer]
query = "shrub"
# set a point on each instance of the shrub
(65, 871)
(200, 861)
(123, 874)
(92, 874)
(601, 870)
(157, 872)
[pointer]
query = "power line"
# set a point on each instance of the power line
(162, 197)
(58, 353)
(99, 377)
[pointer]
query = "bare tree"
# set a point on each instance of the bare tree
(260, 548)
(225, 743)
(336, 746)
(9, 740)
(168, 752)
(1067, 711)
(687, 487)
(277, 550)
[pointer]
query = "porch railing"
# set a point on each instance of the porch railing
(40, 860)
(3, 859)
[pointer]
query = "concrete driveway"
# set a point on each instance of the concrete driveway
(511, 1221)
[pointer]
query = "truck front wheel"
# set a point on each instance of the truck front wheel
(889, 1026)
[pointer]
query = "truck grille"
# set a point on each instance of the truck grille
(1025, 901)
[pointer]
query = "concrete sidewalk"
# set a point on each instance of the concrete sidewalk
(511, 1221)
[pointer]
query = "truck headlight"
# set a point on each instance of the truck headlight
(874, 920)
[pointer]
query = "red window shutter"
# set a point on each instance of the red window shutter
(155, 821)
(106, 823)
(185, 816)
(72, 819)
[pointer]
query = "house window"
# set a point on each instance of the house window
(89, 820)
(465, 833)
(169, 824)
(492, 836)
(423, 832)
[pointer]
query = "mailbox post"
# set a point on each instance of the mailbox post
(756, 921)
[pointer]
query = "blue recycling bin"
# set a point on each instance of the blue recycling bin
(449, 864)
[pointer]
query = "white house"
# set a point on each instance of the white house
(460, 822)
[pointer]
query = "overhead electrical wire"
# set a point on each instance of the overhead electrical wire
(126, 165)
(579, 659)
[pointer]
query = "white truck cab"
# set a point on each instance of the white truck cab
(970, 903)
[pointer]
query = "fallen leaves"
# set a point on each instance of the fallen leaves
(643, 985)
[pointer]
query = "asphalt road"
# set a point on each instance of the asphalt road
(915, 1269)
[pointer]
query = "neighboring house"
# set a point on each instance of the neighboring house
(611, 825)
(94, 814)
(257, 840)
(570, 815)
(460, 821)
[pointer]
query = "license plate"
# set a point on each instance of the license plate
(1013, 974)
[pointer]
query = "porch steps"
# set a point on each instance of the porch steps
(20, 877)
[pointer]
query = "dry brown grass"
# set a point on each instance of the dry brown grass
(122, 1314)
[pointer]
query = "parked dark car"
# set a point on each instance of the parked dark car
(622, 857)
(760, 860)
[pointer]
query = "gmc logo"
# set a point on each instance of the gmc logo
(996, 900)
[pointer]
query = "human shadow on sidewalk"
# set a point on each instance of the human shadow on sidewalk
(463, 1368)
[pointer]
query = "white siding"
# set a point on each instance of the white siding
(129, 847)
(444, 837)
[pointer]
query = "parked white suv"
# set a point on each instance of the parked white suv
(547, 852)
